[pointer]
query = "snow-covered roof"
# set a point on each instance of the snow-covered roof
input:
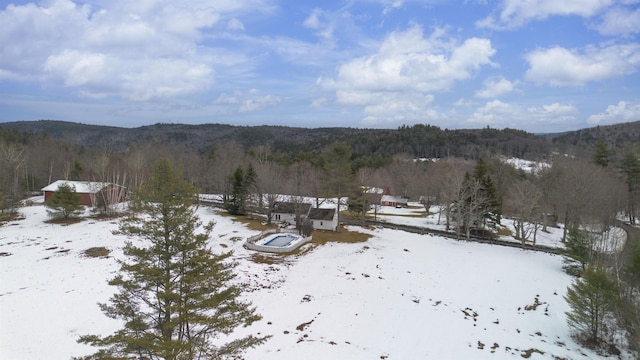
(392, 198)
(79, 186)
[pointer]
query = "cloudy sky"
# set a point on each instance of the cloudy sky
(536, 65)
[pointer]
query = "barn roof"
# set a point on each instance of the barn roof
(89, 187)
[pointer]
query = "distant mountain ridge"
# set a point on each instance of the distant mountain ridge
(416, 140)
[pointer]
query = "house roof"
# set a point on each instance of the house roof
(290, 207)
(321, 214)
(79, 186)
(392, 198)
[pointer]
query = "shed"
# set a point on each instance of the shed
(88, 190)
(395, 201)
(323, 219)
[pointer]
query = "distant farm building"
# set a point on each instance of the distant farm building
(395, 201)
(89, 191)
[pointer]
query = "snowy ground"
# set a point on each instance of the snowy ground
(395, 296)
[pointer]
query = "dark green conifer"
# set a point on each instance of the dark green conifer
(592, 299)
(64, 202)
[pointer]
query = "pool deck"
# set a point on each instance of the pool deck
(258, 242)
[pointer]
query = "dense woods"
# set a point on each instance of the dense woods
(587, 180)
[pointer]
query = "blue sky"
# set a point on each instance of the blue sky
(535, 65)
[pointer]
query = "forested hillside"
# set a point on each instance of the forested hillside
(376, 145)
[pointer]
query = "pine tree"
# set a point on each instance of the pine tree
(242, 182)
(601, 154)
(175, 295)
(577, 250)
(64, 202)
(630, 166)
(632, 270)
(493, 208)
(592, 300)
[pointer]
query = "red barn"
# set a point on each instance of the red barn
(88, 190)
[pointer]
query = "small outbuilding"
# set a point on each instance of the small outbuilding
(323, 219)
(88, 190)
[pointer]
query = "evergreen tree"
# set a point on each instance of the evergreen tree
(175, 295)
(64, 202)
(601, 154)
(630, 167)
(632, 270)
(492, 208)
(339, 180)
(242, 182)
(577, 250)
(592, 300)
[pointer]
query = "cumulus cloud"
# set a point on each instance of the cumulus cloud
(622, 112)
(558, 66)
(399, 79)
(495, 88)
(620, 21)
(499, 114)
(135, 50)
(516, 13)
(406, 60)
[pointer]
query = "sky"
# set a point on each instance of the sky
(536, 65)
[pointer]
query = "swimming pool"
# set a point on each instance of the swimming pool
(281, 240)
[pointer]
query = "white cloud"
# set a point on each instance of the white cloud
(620, 21)
(495, 88)
(322, 22)
(399, 79)
(407, 61)
(390, 5)
(235, 24)
(249, 101)
(516, 13)
(559, 66)
(499, 114)
(136, 50)
(622, 112)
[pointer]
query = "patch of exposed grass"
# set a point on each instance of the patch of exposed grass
(270, 259)
(371, 215)
(527, 353)
(253, 222)
(9, 216)
(322, 237)
(505, 231)
(64, 221)
(94, 252)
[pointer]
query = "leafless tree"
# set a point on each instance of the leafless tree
(522, 204)
(11, 165)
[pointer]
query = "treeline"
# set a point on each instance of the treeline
(371, 147)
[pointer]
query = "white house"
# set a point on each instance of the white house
(285, 212)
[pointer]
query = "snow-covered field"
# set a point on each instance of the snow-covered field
(395, 296)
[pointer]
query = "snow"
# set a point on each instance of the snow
(398, 295)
